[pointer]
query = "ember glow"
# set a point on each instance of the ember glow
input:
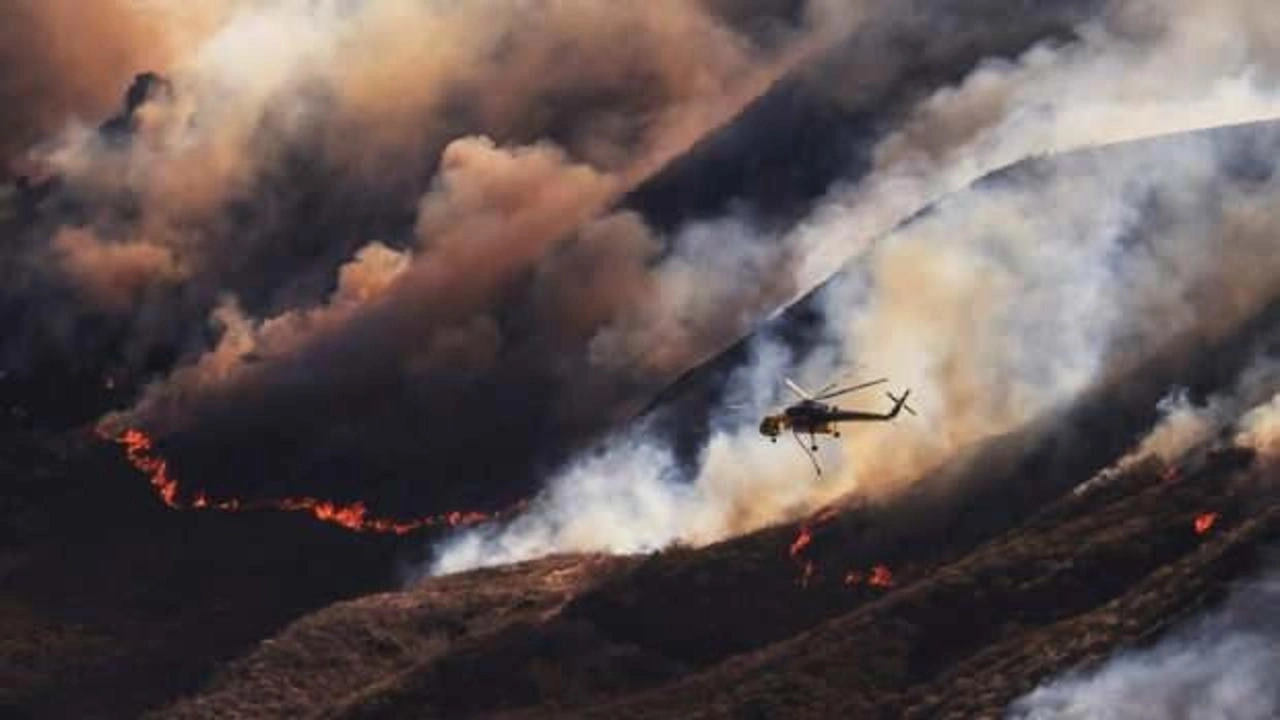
(140, 451)
(1205, 522)
(804, 539)
(879, 576)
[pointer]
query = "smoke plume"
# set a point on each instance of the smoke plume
(1000, 304)
(1260, 429)
(60, 58)
(1225, 665)
(384, 240)
(383, 211)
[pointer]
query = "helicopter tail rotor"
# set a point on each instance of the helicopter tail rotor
(901, 402)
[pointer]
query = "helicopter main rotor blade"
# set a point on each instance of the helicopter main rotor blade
(846, 391)
(799, 391)
(827, 388)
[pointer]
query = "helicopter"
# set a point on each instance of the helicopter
(812, 415)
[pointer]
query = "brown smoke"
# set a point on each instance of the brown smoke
(492, 214)
(112, 274)
(63, 60)
(60, 58)
(266, 97)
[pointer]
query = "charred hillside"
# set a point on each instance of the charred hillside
(165, 583)
(388, 317)
(1067, 585)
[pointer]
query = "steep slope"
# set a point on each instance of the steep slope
(114, 604)
(958, 638)
(993, 536)
(357, 646)
(970, 636)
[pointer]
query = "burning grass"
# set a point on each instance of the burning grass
(140, 451)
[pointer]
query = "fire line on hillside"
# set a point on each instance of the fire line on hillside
(139, 449)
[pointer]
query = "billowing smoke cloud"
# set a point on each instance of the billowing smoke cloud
(1260, 429)
(61, 57)
(382, 229)
(1187, 426)
(999, 305)
(369, 95)
(1226, 665)
(62, 60)
(493, 214)
(1112, 85)
(400, 218)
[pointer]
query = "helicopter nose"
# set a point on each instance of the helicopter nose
(769, 427)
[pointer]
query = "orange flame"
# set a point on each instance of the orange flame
(139, 450)
(1204, 522)
(880, 576)
(804, 539)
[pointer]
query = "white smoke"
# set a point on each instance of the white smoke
(1146, 69)
(1186, 426)
(1260, 430)
(633, 496)
(1225, 666)
(1000, 304)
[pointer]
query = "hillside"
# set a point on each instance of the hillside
(991, 537)
(345, 375)
(729, 631)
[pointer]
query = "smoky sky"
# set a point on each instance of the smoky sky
(1021, 290)
(381, 248)
(380, 232)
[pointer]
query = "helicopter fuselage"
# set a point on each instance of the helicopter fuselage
(807, 418)
(810, 417)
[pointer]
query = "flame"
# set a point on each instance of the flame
(879, 576)
(139, 450)
(1205, 521)
(804, 539)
